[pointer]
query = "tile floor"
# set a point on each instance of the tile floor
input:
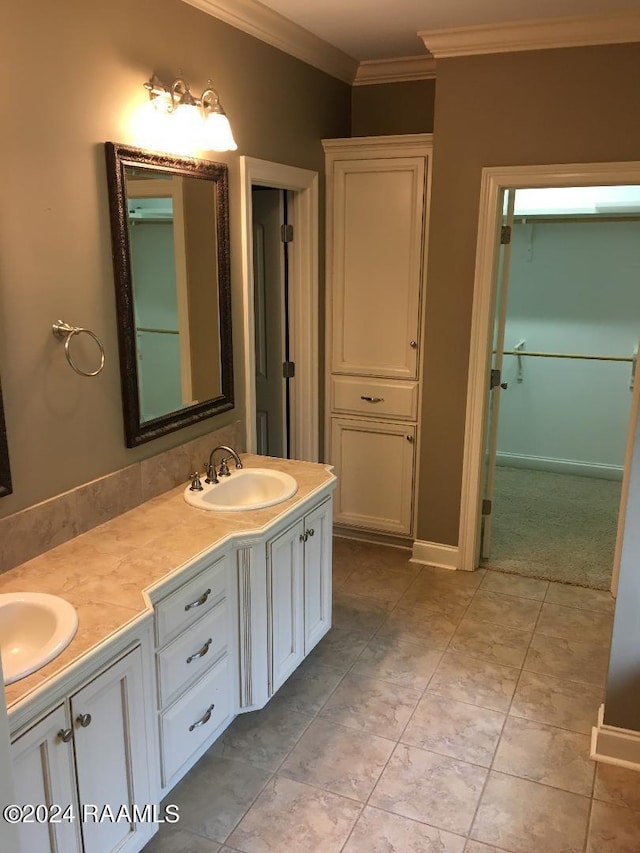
(444, 711)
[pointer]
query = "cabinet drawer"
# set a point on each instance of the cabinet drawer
(194, 718)
(378, 397)
(187, 604)
(193, 652)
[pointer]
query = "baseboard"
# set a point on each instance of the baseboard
(435, 554)
(560, 466)
(612, 745)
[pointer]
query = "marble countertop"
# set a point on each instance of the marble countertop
(106, 572)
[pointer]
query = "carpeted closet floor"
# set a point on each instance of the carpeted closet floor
(558, 527)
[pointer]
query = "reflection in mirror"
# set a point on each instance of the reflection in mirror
(169, 219)
(5, 471)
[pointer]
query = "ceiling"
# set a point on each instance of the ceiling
(386, 29)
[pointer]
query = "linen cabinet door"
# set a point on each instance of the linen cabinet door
(378, 214)
(108, 717)
(285, 604)
(42, 763)
(318, 531)
(374, 462)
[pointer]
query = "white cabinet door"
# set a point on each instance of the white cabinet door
(43, 775)
(108, 718)
(318, 530)
(374, 462)
(378, 225)
(285, 603)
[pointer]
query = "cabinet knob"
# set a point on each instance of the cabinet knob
(413, 344)
(410, 439)
(310, 531)
(65, 735)
(84, 720)
(304, 537)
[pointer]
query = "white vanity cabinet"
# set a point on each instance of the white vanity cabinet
(196, 625)
(90, 752)
(377, 216)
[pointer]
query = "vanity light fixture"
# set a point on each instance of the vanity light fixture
(200, 118)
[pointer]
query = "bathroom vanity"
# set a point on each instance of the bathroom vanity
(186, 619)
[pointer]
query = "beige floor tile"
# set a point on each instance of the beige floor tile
(262, 738)
(507, 610)
(338, 759)
(569, 659)
(524, 817)
(379, 582)
(380, 832)
(515, 585)
(489, 641)
(339, 648)
(474, 847)
(406, 663)
(618, 785)
(290, 816)
(455, 729)
(431, 628)
(472, 580)
(546, 754)
(358, 613)
(444, 597)
(577, 596)
(306, 691)
(370, 705)
(475, 681)
(561, 703)
(594, 626)
(169, 840)
(613, 829)
(215, 794)
(437, 790)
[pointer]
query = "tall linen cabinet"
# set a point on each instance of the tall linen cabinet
(377, 221)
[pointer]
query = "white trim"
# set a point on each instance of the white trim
(435, 554)
(495, 179)
(269, 26)
(532, 35)
(362, 147)
(560, 466)
(609, 744)
(304, 299)
(397, 70)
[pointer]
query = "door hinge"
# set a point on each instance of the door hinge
(486, 507)
(505, 235)
(286, 233)
(288, 369)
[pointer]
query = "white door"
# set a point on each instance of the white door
(285, 605)
(318, 528)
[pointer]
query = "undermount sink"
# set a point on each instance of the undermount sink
(249, 488)
(34, 629)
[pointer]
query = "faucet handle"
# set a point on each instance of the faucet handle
(211, 474)
(224, 469)
(196, 485)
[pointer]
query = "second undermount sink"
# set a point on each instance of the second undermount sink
(34, 628)
(249, 488)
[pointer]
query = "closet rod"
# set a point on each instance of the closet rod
(157, 331)
(524, 353)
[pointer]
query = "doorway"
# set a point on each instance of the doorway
(293, 192)
(492, 271)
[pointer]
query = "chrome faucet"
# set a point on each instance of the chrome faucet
(212, 477)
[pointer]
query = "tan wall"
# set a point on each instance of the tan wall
(389, 108)
(74, 73)
(551, 106)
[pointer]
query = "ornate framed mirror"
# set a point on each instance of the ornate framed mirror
(170, 239)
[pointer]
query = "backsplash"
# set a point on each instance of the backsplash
(37, 529)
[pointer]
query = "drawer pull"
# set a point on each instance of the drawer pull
(65, 735)
(201, 653)
(203, 720)
(199, 601)
(372, 399)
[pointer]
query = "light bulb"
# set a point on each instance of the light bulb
(217, 135)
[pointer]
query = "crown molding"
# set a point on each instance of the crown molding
(372, 71)
(263, 23)
(532, 35)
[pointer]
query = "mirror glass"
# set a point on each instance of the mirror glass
(5, 471)
(170, 233)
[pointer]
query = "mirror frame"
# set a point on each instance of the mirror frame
(5, 471)
(118, 157)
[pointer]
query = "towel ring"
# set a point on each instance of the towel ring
(63, 331)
